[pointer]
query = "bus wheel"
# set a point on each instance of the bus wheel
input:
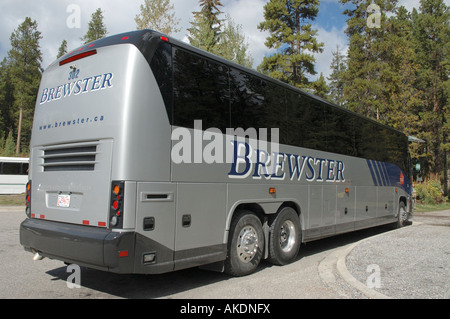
(402, 216)
(245, 244)
(285, 237)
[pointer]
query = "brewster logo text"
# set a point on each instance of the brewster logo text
(250, 156)
(86, 85)
(258, 163)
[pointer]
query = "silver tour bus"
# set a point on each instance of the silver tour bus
(149, 155)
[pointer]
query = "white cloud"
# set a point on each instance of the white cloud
(249, 14)
(331, 40)
(409, 4)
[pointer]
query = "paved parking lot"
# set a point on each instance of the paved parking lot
(412, 262)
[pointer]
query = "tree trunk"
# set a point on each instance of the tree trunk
(19, 132)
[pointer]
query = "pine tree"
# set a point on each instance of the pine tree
(10, 147)
(398, 76)
(206, 28)
(291, 33)
(25, 60)
(432, 34)
(157, 15)
(321, 88)
(96, 28)
(338, 67)
(62, 49)
(6, 98)
(233, 45)
(363, 91)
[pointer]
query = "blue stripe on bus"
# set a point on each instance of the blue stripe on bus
(389, 183)
(386, 174)
(382, 174)
(377, 173)
(371, 172)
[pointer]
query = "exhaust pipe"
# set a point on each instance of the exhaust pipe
(37, 256)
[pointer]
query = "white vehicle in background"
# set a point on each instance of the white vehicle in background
(13, 175)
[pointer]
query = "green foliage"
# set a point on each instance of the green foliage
(431, 31)
(233, 45)
(365, 62)
(398, 74)
(96, 28)
(24, 75)
(157, 15)
(320, 87)
(292, 35)
(8, 146)
(206, 28)
(62, 49)
(221, 37)
(336, 85)
(430, 192)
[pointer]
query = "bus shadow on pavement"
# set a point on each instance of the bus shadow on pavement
(136, 286)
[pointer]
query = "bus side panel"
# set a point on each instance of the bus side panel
(345, 211)
(200, 223)
(386, 196)
(155, 226)
(315, 209)
(329, 210)
(366, 206)
(142, 150)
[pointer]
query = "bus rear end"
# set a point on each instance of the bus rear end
(83, 152)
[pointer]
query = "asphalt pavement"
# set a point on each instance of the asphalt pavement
(407, 263)
(412, 262)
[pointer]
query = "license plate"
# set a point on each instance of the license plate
(63, 201)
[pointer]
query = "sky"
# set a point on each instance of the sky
(68, 20)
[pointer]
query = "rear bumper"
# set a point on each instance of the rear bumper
(86, 246)
(103, 249)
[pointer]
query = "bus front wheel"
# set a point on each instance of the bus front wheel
(245, 244)
(402, 217)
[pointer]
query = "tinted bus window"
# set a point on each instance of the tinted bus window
(161, 65)
(393, 149)
(247, 101)
(340, 132)
(306, 121)
(257, 103)
(296, 105)
(277, 111)
(201, 91)
(366, 138)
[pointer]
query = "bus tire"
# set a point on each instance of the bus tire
(402, 217)
(245, 244)
(285, 237)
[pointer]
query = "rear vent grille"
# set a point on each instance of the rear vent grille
(70, 157)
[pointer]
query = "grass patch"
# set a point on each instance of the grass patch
(12, 200)
(423, 208)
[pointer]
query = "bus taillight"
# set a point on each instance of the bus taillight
(77, 57)
(116, 210)
(28, 199)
